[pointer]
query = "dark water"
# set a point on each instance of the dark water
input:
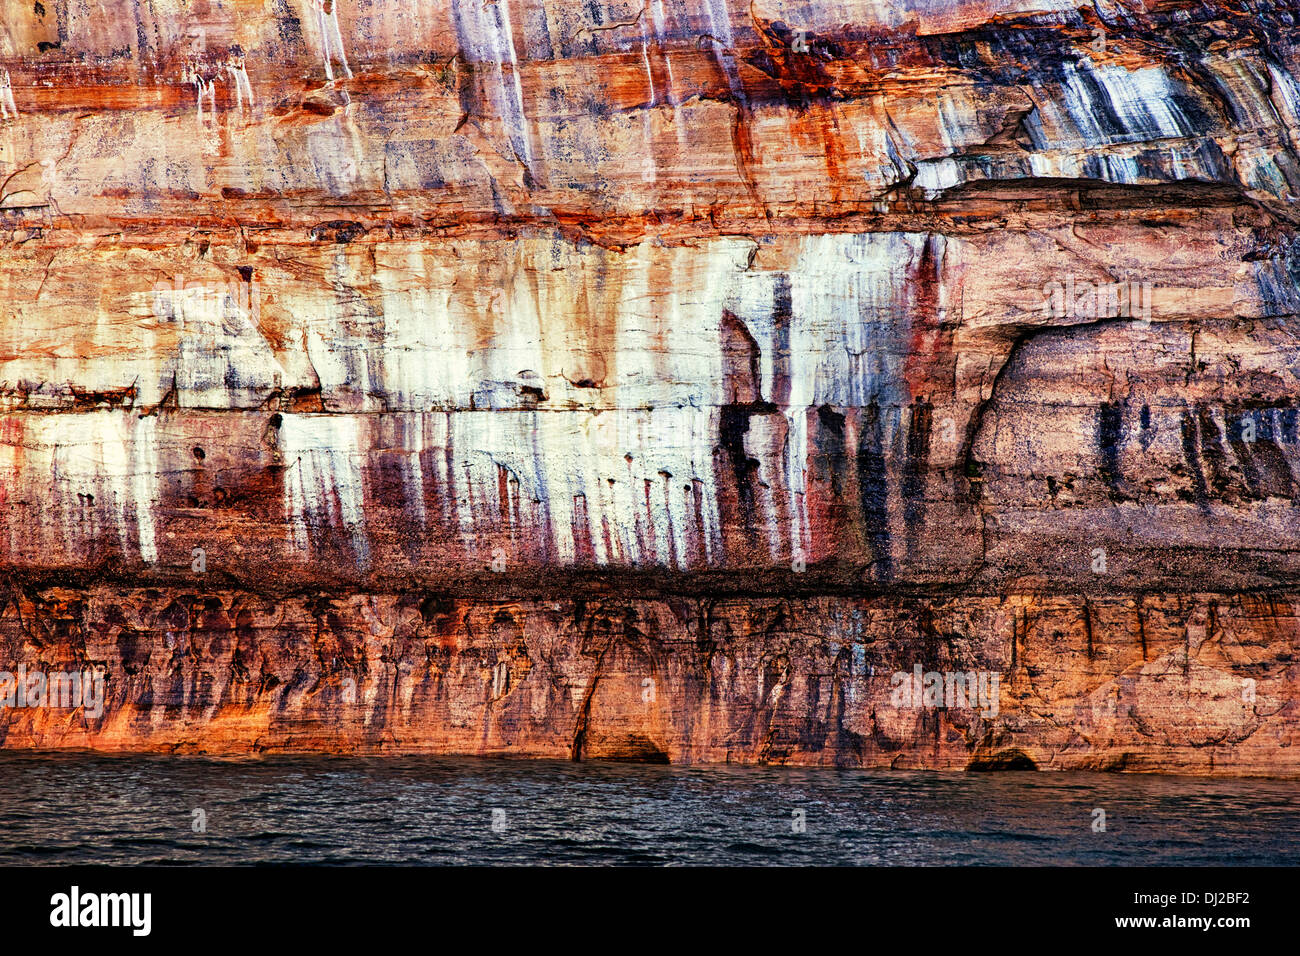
(96, 809)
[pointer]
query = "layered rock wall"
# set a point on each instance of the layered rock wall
(1152, 683)
(765, 342)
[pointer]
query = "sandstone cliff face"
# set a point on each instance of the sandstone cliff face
(1149, 683)
(759, 351)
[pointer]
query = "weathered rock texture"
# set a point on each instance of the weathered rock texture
(551, 348)
(1150, 683)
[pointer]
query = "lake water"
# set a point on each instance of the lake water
(141, 809)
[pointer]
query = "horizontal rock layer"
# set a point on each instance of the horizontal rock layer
(1188, 683)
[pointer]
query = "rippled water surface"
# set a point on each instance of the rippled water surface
(97, 809)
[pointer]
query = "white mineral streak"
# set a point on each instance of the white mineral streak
(574, 478)
(959, 118)
(100, 469)
(670, 94)
(420, 320)
(937, 175)
(323, 484)
(794, 461)
(556, 313)
(7, 105)
(624, 482)
(487, 36)
(851, 327)
(1286, 94)
(217, 344)
(1105, 105)
(1265, 101)
(929, 16)
(1286, 100)
(144, 485)
(719, 21)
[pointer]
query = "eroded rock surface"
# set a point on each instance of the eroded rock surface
(1153, 683)
(502, 357)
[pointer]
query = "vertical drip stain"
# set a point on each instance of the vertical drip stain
(915, 469)
(873, 490)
